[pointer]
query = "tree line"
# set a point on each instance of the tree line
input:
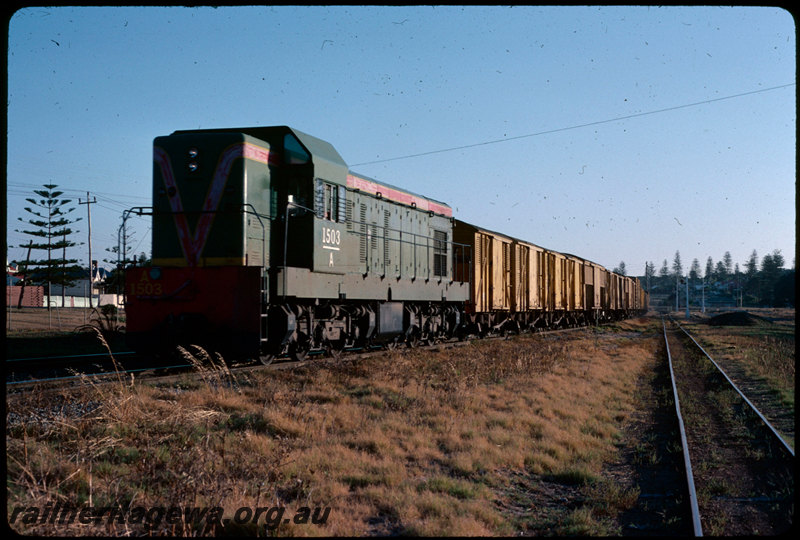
(766, 283)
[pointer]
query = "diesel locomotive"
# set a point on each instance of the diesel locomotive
(264, 244)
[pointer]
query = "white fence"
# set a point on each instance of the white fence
(82, 301)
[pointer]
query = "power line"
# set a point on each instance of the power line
(101, 194)
(15, 191)
(578, 126)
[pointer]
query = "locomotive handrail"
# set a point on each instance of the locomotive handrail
(223, 211)
(139, 211)
(413, 242)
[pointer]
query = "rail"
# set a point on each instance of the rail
(758, 413)
(760, 484)
(695, 508)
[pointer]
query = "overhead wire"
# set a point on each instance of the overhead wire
(577, 126)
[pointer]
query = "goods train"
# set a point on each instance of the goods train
(266, 244)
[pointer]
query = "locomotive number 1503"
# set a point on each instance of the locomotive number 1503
(331, 236)
(147, 289)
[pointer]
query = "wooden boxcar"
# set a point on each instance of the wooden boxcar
(518, 285)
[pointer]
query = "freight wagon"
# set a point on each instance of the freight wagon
(516, 285)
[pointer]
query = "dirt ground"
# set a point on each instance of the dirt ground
(39, 320)
(739, 315)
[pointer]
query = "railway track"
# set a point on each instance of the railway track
(49, 371)
(56, 371)
(739, 469)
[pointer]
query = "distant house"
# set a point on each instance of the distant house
(76, 295)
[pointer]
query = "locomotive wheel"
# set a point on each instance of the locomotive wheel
(334, 348)
(411, 337)
(393, 344)
(266, 359)
(298, 352)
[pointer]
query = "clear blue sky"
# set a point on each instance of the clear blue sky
(614, 133)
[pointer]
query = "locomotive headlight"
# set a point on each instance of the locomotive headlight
(155, 273)
(193, 153)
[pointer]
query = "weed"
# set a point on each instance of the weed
(610, 498)
(584, 522)
(454, 487)
(578, 475)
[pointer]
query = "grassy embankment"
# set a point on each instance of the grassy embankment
(35, 332)
(459, 441)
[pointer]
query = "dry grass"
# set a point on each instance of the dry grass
(39, 321)
(765, 351)
(410, 442)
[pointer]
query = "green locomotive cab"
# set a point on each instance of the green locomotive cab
(202, 185)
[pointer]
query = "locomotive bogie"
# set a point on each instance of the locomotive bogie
(300, 327)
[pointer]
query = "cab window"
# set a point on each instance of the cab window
(329, 201)
(294, 153)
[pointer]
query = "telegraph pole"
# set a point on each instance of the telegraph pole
(88, 204)
(704, 295)
(25, 278)
(687, 298)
